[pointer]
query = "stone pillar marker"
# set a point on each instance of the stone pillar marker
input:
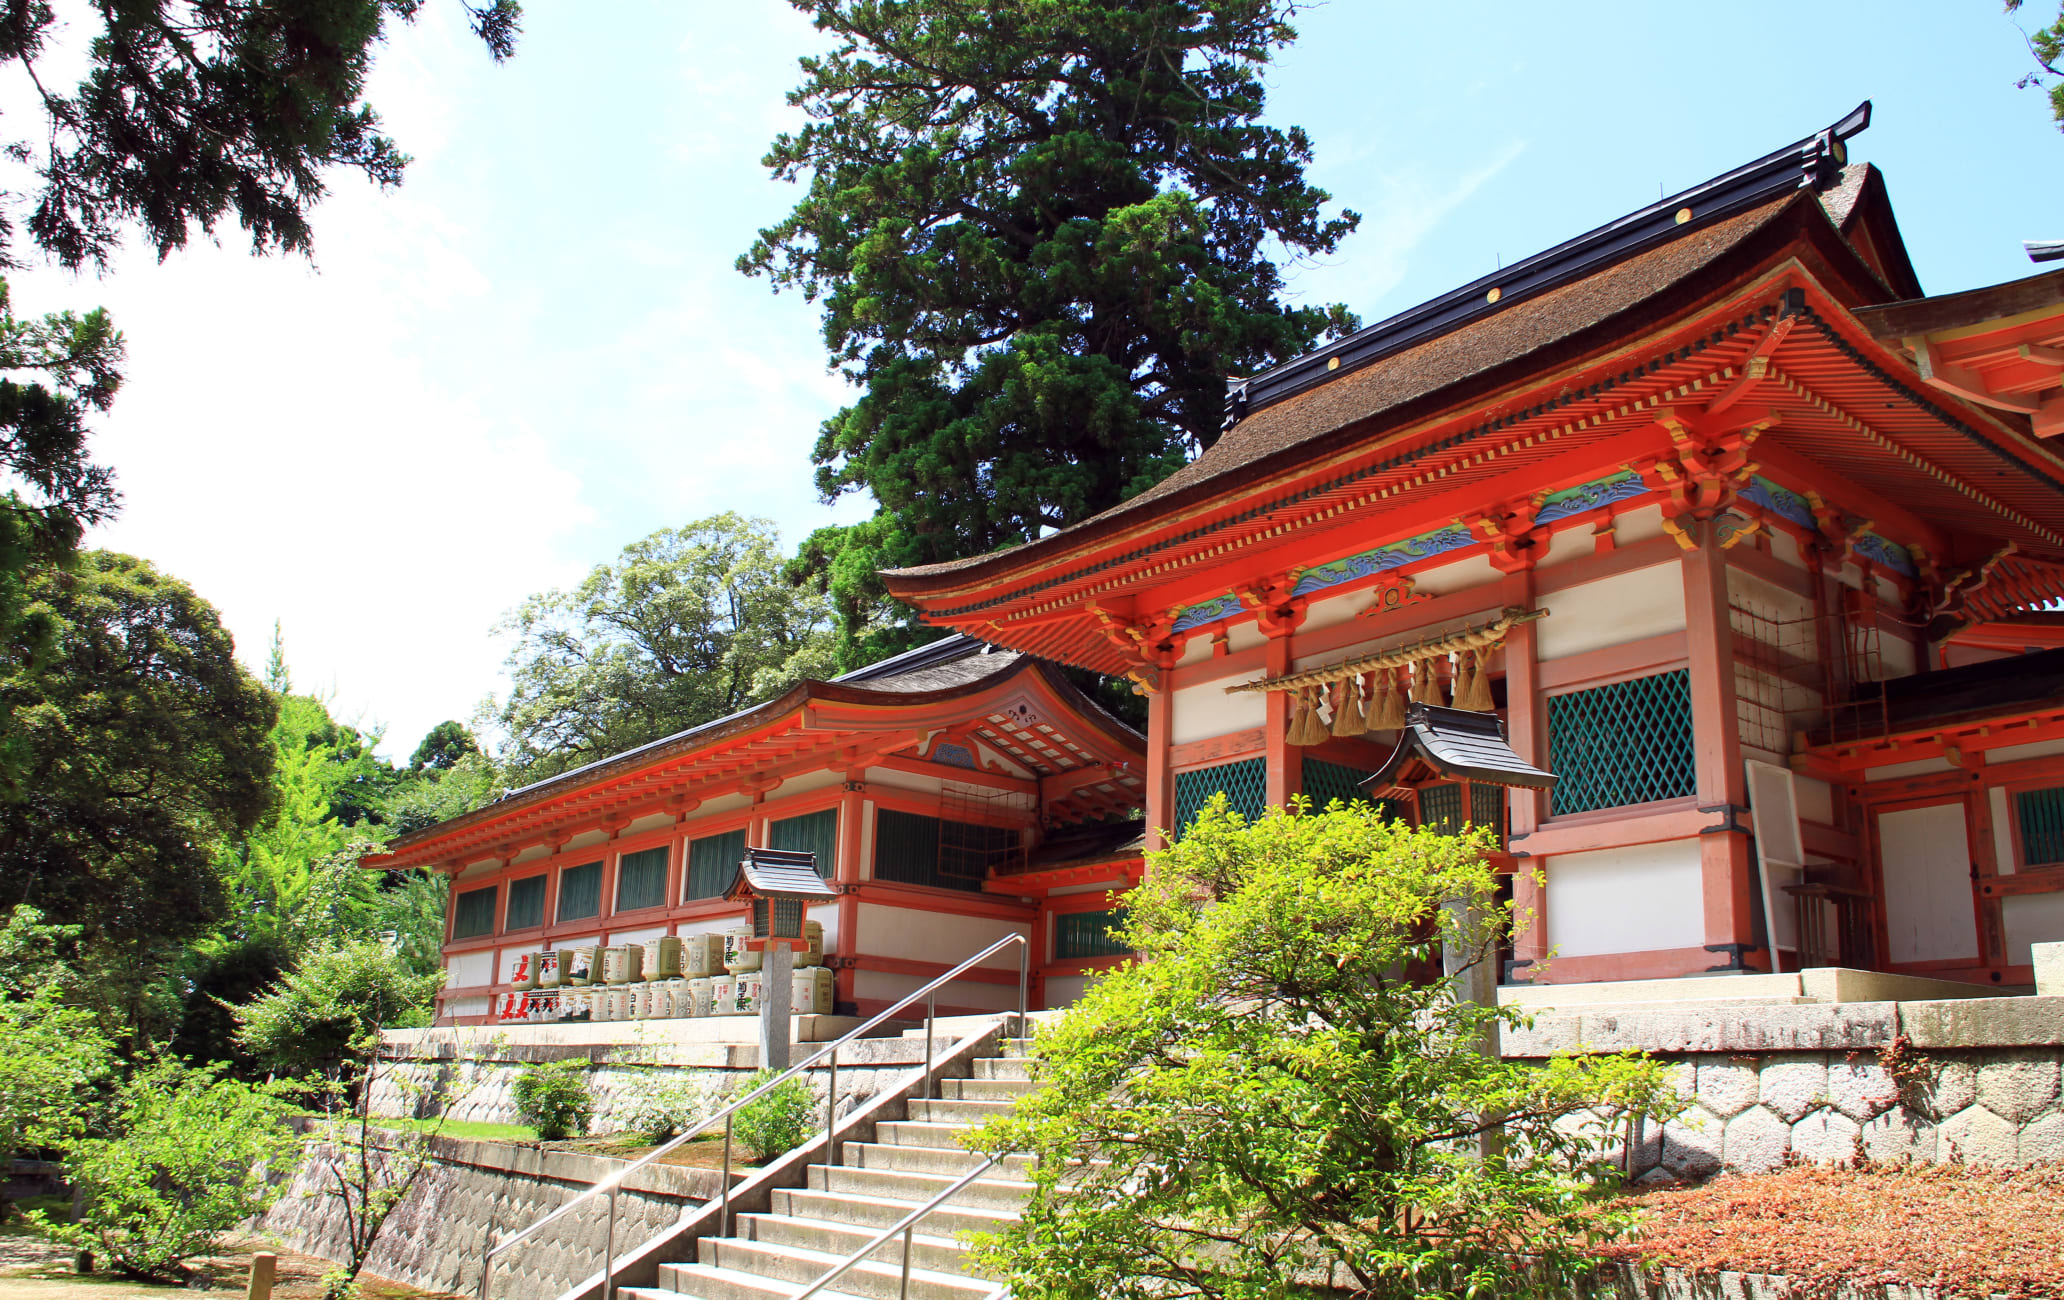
(776, 995)
(262, 1265)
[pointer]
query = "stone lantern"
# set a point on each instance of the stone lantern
(780, 886)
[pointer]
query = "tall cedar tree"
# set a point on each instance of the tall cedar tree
(188, 112)
(1044, 234)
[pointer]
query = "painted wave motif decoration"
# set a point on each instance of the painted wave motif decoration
(1780, 501)
(1394, 556)
(1886, 553)
(1589, 496)
(1218, 607)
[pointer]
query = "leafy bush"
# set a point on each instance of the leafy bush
(668, 1105)
(51, 1059)
(552, 1097)
(1286, 1087)
(778, 1122)
(187, 1162)
(332, 1005)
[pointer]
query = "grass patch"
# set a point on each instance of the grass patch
(474, 1130)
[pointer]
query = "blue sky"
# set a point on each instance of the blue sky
(536, 350)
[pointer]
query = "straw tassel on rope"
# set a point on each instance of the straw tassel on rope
(1425, 687)
(1389, 713)
(1349, 718)
(1477, 698)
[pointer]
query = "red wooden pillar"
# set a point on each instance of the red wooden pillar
(1727, 892)
(1160, 780)
(1526, 728)
(1285, 760)
(852, 819)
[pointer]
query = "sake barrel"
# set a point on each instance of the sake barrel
(678, 1004)
(523, 970)
(646, 999)
(723, 992)
(737, 958)
(747, 1000)
(623, 964)
(699, 996)
(578, 966)
(702, 956)
(813, 933)
(810, 991)
(551, 969)
(663, 958)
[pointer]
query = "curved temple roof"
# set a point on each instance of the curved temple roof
(1459, 745)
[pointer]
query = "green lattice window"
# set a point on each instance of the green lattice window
(580, 892)
(1324, 782)
(815, 832)
(1088, 934)
(1441, 808)
(1245, 784)
(1626, 743)
(1487, 806)
(641, 879)
(914, 849)
(473, 913)
(711, 862)
(526, 904)
(2041, 813)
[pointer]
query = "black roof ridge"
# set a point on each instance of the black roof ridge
(1812, 163)
(957, 645)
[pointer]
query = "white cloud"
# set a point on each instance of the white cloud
(1412, 204)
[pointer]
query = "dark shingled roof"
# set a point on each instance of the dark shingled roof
(1994, 688)
(1088, 844)
(1274, 433)
(1460, 744)
(776, 871)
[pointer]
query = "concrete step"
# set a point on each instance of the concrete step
(957, 1112)
(801, 1266)
(695, 1282)
(1005, 1067)
(918, 1133)
(927, 1249)
(986, 1089)
(877, 1212)
(922, 1159)
(905, 1185)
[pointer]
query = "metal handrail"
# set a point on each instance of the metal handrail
(905, 1225)
(607, 1187)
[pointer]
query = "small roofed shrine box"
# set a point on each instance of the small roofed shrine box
(780, 885)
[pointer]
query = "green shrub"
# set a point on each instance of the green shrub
(778, 1122)
(552, 1097)
(668, 1105)
(187, 1162)
(328, 1009)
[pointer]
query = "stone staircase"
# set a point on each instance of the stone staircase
(812, 1228)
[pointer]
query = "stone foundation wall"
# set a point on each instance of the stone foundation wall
(478, 1087)
(434, 1239)
(1979, 1081)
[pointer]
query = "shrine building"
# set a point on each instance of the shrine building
(1753, 552)
(953, 794)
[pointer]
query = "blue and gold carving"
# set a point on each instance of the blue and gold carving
(1886, 554)
(1194, 616)
(953, 755)
(1589, 496)
(1395, 556)
(1780, 501)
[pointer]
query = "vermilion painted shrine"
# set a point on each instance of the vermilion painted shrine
(1754, 547)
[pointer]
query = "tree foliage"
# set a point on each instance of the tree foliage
(2046, 45)
(688, 625)
(189, 1157)
(1270, 1098)
(1043, 234)
(145, 748)
(326, 1013)
(52, 1055)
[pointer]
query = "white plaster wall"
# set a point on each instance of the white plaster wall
(1816, 799)
(2015, 753)
(1201, 712)
(803, 784)
(651, 822)
(1625, 900)
(505, 959)
(1919, 767)
(1388, 640)
(1331, 611)
(870, 984)
(1065, 990)
(475, 870)
(1460, 576)
(1612, 611)
(1767, 598)
(2002, 831)
(534, 851)
(826, 915)
(2030, 918)
(1785, 547)
(584, 941)
(469, 969)
(644, 935)
(1104, 886)
(866, 839)
(1926, 857)
(724, 803)
(705, 925)
(1569, 544)
(895, 780)
(917, 935)
(1244, 636)
(1895, 657)
(466, 1006)
(585, 838)
(1637, 525)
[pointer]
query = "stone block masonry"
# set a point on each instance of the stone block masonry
(1979, 1081)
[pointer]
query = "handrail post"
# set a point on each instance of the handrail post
(926, 1080)
(903, 1291)
(1024, 987)
(487, 1262)
(831, 1120)
(724, 1214)
(609, 1249)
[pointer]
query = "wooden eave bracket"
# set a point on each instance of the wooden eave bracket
(1971, 386)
